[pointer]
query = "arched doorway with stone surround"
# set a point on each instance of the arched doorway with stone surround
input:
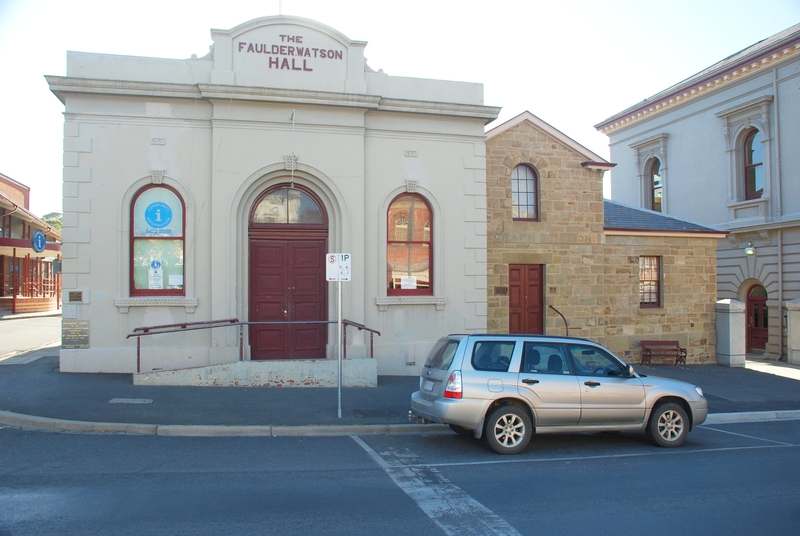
(757, 334)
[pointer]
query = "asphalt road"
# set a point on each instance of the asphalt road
(727, 479)
(24, 334)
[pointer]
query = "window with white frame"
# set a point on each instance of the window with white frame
(753, 164)
(524, 193)
(655, 185)
(649, 281)
(651, 162)
(746, 130)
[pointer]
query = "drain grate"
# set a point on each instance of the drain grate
(131, 401)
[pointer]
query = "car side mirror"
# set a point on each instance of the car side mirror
(629, 371)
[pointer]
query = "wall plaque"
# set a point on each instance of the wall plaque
(74, 334)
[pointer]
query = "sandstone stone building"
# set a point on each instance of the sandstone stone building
(720, 148)
(616, 273)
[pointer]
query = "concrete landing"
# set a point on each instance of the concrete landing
(289, 373)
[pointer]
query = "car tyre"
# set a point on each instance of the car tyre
(463, 432)
(508, 429)
(668, 425)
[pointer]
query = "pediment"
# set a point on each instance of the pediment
(263, 51)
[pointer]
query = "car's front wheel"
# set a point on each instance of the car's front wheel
(508, 429)
(668, 425)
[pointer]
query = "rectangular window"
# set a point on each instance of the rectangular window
(649, 281)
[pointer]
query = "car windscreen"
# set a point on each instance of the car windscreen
(442, 354)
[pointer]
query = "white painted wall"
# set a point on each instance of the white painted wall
(219, 129)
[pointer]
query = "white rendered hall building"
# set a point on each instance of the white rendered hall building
(212, 188)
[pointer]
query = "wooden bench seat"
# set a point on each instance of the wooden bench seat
(666, 349)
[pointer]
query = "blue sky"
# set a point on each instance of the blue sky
(572, 64)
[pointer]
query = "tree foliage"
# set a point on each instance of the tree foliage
(53, 219)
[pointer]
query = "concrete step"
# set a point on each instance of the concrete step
(289, 373)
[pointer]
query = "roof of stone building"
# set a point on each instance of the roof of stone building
(590, 156)
(621, 217)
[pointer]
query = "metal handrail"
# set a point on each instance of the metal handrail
(566, 324)
(360, 327)
(210, 324)
(184, 325)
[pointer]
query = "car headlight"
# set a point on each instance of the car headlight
(699, 391)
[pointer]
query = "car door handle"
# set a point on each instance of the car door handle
(592, 383)
(530, 380)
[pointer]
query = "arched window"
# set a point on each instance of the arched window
(408, 249)
(157, 242)
(655, 185)
(524, 193)
(753, 165)
(287, 205)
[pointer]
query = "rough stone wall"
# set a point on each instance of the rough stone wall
(591, 278)
(567, 239)
(689, 295)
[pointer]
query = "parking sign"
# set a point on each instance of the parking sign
(338, 267)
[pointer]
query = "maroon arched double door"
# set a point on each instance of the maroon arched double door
(288, 235)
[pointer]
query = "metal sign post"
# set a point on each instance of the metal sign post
(338, 267)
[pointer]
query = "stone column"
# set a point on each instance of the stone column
(731, 333)
(793, 338)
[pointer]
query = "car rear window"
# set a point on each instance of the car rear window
(442, 354)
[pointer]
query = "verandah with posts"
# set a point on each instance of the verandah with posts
(28, 284)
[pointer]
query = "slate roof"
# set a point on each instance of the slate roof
(621, 217)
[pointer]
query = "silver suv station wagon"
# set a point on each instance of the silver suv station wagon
(508, 387)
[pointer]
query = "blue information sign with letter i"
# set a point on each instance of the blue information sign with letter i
(38, 241)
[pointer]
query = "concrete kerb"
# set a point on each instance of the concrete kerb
(752, 416)
(31, 422)
(18, 420)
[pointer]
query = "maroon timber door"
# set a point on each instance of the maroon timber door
(757, 318)
(525, 298)
(288, 243)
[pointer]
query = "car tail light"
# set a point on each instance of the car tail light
(453, 387)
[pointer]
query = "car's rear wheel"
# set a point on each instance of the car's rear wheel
(668, 425)
(508, 429)
(463, 432)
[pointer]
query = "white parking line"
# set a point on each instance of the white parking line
(450, 507)
(655, 452)
(747, 436)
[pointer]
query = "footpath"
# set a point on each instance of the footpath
(35, 395)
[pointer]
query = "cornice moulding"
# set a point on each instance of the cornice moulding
(65, 85)
(293, 96)
(439, 108)
(61, 86)
(766, 99)
(710, 81)
(651, 140)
